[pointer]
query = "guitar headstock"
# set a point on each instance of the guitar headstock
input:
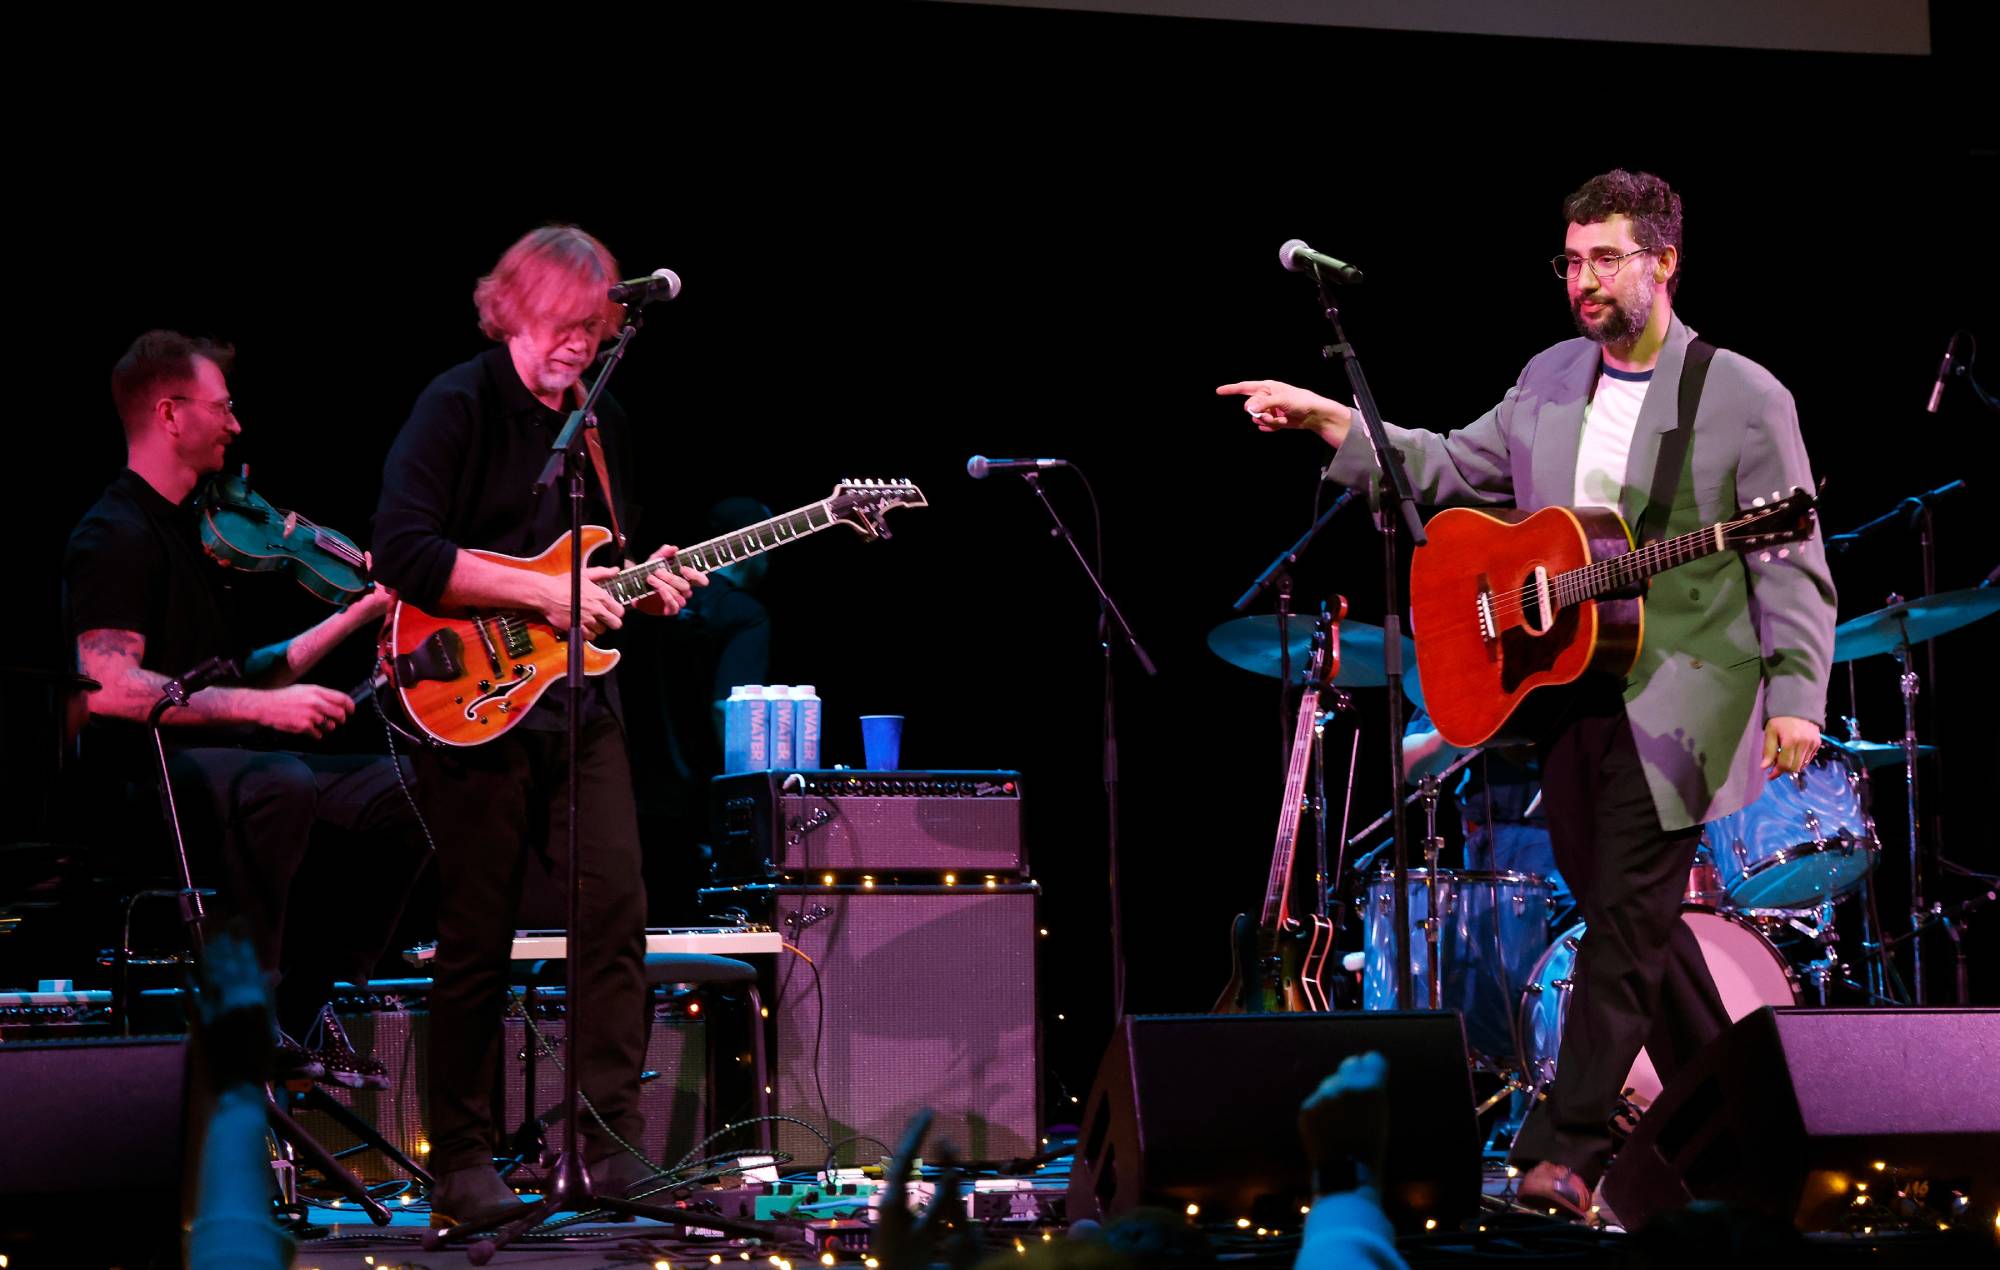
(864, 504)
(1324, 665)
(1772, 522)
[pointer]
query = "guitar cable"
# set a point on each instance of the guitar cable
(389, 731)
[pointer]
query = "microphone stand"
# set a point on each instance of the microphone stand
(1391, 465)
(1107, 615)
(293, 1139)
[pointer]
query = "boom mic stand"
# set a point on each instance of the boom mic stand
(1391, 464)
(1107, 616)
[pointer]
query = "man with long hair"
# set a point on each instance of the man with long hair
(459, 477)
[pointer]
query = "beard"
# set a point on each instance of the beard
(1620, 324)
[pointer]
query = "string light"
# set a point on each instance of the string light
(1430, 1223)
(1879, 1166)
(827, 879)
(827, 1258)
(951, 879)
(1242, 1223)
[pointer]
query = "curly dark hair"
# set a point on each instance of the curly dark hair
(1647, 201)
(156, 360)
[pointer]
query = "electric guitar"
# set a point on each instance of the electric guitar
(1505, 602)
(465, 677)
(1275, 961)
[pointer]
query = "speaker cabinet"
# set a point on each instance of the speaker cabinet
(1789, 1111)
(673, 1098)
(94, 1159)
(914, 997)
(1204, 1109)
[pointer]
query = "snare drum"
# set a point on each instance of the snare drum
(1804, 841)
(1748, 972)
(1494, 927)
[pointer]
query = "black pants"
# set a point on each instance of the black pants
(1640, 976)
(499, 814)
(318, 851)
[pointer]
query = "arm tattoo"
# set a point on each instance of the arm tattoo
(115, 644)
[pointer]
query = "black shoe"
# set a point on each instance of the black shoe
(472, 1197)
(340, 1063)
(292, 1061)
(352, 1069)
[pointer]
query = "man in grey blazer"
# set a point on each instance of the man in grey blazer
(1730, 686)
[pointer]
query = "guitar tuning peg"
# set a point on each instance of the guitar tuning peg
(1766, 557)
(1756, 502)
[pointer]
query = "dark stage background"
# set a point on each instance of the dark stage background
(936, 230)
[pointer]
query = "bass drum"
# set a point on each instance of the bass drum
(1748, 972)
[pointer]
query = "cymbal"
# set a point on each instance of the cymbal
(1873, 754)
(1252, 643)
(1922, 619)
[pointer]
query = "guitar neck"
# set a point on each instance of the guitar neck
(1277, 895)
(1623, 572)
(630, 584)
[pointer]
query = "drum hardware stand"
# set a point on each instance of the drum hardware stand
(1337, 703)
(1427, 789)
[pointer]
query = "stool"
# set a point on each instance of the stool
(700, 972)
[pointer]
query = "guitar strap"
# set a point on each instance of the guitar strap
(596, 448)
(1674, 445)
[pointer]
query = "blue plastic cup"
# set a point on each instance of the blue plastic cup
(882, 741)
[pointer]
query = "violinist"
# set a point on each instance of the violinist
(262, 825)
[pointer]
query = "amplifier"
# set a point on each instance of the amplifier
(799, 823)
(672, 1095)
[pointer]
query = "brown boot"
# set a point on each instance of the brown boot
(1558, 1187)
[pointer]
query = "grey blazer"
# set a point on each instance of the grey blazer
(1730, 640)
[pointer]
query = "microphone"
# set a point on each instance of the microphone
(979, 465)
(1944, 369)
(664, 284)
(1295, 256)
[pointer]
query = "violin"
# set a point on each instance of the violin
(241, 530)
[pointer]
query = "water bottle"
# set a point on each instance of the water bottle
(805, 726)
(778, 697)
(746, 731)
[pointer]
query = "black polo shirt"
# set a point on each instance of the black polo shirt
(135, 563)
(461, 473)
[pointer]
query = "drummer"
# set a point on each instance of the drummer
(1499, 800)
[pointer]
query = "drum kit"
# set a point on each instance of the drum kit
(1760, 900)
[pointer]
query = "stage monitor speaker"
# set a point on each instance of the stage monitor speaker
(1790, 1110)
(94, 1147)
(914, 997)
(1204, 1109)
(673, 1100)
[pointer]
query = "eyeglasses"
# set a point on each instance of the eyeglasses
(1603, 264)
(227, 405)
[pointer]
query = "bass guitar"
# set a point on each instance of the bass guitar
(1275, 961)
